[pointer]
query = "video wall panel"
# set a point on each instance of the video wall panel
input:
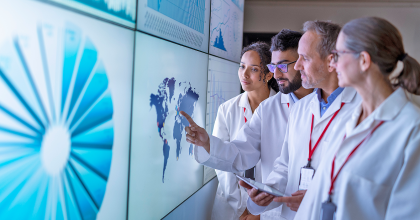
(77, 81)
(119, 11)
(168, 78)
(226, 28)
(65, 81)
(182, 21)
(223, 84)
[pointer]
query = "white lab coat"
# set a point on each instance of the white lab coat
(381, 179)
(260, 138)
(286, 173)
(230, 200)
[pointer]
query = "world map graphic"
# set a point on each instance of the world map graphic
(165, 101)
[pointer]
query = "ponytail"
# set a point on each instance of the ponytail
(383, 42)
(409, 78)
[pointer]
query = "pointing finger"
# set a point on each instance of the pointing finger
(188, 117)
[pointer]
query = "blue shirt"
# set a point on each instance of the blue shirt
(293, 97)
(324, 106)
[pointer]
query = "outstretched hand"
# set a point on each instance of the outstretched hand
(196, 134)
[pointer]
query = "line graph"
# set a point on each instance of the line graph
(239, 3)
(226, 28)
(223, 84)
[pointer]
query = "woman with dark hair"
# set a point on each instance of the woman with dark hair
(258, 83)
(372, 171)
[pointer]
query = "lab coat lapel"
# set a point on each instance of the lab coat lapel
(387, 111)
(244, 103)
(285, 99)
(346, 96)
(392, 106)
(314, 109)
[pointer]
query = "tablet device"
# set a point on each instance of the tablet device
(260, 186)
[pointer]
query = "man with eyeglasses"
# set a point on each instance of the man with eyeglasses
(313, 124)
(262, 137)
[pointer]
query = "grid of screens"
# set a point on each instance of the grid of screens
(91, 95)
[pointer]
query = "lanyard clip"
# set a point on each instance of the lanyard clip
(329, 197)
(309, 163)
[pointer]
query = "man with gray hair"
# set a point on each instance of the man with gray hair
(314, 122)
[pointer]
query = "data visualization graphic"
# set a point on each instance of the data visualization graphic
(120, 11)
(223, 84)
(226, 26)
(63, 134)
(163, 87)
(189, 13)
(182, 21)
(185, 101)
(239, 4)
(54, 148)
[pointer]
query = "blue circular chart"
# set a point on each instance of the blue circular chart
(56, 126)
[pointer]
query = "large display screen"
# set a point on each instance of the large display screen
(226, 27)
(65, 84)
(168, 78)
(119, 11)
(182, 21)
(223, 84)
(90, 124)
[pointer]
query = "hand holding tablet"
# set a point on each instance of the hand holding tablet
(261, 187)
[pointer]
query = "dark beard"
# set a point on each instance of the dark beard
(294, 85)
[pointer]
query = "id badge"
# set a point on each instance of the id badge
(306, 175)
(328, 210)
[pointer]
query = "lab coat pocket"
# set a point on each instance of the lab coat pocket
(364, 198)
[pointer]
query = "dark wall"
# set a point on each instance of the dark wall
(253, 37)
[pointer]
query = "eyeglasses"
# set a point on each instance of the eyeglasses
(336, 52)
(282, 67)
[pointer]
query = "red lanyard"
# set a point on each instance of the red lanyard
(288, 105)
(333, 178)
(244, 115)
(311, 151)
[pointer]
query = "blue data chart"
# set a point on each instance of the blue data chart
(223, 84)
(183, 21)
(190, 12)
(56, 128)
(120, 11)
(226, 26)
